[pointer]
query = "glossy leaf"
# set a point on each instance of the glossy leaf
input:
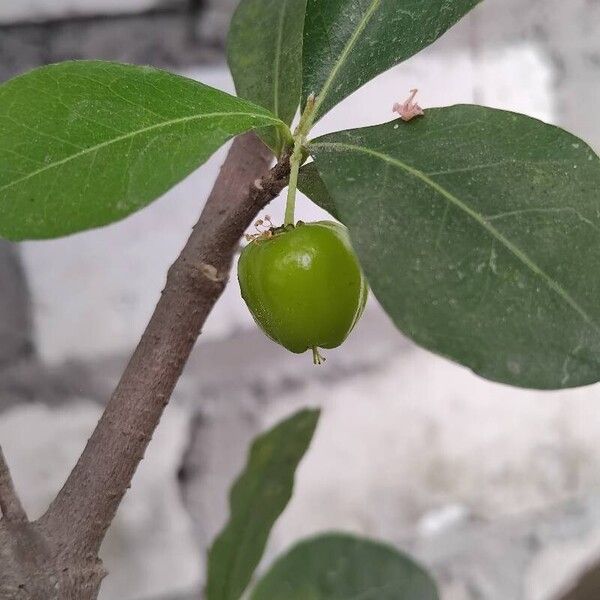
(479, 232)
(312, 186)
(83, 144)
(340, 567)
(348, 42)
(265, 57)
(257, 499)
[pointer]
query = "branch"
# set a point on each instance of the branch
(585, 587)
(10, 505)
(83, 510)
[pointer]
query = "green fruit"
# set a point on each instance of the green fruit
(303, 285)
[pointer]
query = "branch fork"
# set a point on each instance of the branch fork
(49, 557)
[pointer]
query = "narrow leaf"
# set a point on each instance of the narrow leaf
(312, 186)
(257, 499)
(265, 58)
(83, 144)
(340, 567)
(479, 232)
(348, 42)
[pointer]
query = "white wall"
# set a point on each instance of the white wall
(410, 446)
(38, 10)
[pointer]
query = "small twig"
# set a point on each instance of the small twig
(12, 509)
(83, 510)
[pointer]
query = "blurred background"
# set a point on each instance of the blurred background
(496, 489)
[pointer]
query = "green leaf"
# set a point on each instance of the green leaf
(348, 42)
(83, 144)
(257, 499)
(479, 232)
(265, 58)
(312, 186)
(340, 567)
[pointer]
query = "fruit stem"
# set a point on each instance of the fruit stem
(297, 158)
(295, 161)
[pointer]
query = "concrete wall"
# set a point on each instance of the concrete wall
(495, 488)
(12, 11)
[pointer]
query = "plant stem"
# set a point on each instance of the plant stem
(83, 510)
(300, 135)
(10, 505)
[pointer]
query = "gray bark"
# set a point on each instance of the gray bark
(33, 568)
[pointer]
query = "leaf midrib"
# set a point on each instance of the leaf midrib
(228, 583)
(515, 250)
(258, 485)
(277, 65)
(277, 61)
(344, 55)
(130, 135)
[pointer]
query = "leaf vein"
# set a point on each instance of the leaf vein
(127, 136)
(481, 220)
(345, 53)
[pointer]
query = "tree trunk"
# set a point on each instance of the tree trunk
(32, 568)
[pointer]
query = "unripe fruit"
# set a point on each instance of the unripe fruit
(303, 285)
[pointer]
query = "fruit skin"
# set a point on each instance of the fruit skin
(304, 286)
